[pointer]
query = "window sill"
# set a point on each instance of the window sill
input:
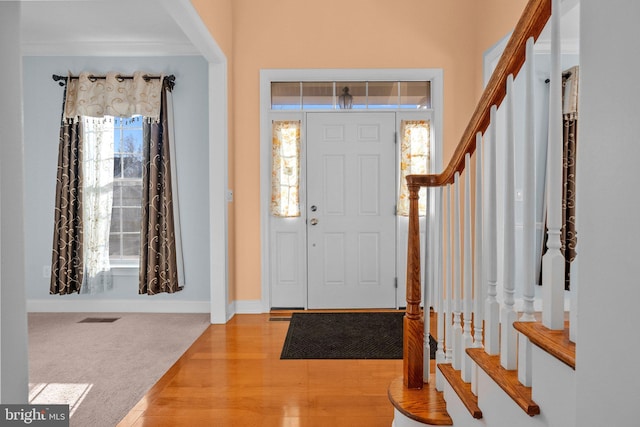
(125, 269)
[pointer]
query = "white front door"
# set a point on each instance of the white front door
(351, 198)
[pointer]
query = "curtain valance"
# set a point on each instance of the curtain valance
(113, 96)
(570, 96)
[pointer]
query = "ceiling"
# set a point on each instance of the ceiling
(146, 28)
(101, 28)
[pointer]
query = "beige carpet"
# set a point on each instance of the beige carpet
(103, 369)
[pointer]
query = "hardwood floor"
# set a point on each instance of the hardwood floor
(233, 376)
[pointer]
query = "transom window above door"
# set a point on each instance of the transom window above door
(360, 95)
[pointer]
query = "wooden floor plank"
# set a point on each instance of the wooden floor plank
(233, 376)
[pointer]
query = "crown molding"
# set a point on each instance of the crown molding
(109, 48)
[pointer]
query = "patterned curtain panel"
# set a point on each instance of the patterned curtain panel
(158, 258)
(97, 202)
(285, 169)
(67, 264)
(570, 138)
(414, 160)
(568, 236)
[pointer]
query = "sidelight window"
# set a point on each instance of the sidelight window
(285, 169)
(415, 137)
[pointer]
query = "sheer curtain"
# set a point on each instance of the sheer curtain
(414, 159)
(97, 192)
(285, 169)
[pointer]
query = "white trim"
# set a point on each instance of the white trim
(273, 75)
(80, 305)
(253, 306)
(491, 57)
(112, 48)
(218, 184)
(189, 21)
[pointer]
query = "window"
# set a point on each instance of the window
(366, 95)
(285, 169)
(124, 236)
(122, 162)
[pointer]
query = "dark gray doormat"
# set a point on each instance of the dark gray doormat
(346, 336)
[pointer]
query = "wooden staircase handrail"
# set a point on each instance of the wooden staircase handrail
(534, 17)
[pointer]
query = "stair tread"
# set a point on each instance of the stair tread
(424, 405)
(506, 379)
(554, 342)
(462, 389)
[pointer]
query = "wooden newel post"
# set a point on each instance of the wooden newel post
(413, 350)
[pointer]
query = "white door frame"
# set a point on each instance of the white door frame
(267, 76)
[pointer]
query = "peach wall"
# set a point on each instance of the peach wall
(338, 34)
(217, 15)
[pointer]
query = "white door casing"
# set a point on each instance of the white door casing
(284, 240)
(351, 196)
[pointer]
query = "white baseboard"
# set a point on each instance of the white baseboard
(117, 306)
(247, 307)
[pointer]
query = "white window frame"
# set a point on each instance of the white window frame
(130, 262)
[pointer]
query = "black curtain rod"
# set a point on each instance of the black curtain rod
(62, 80)
(565, 74)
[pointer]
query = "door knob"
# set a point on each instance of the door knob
(314, 221)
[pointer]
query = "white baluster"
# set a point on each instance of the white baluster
(529, 190)
(528, 207)
(553, 261)
(467, 339)
(478, 288)
(508, 337)
(492, 307)
(449, 285)
(478, 270)
(457, 289)
(429, 280)
(440, 283)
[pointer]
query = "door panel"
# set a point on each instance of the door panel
(351, 210)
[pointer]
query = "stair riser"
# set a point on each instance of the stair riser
(554, 389)
(457, 410)
(499, 410)
(400, 420)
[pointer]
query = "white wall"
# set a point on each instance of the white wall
(608, 228)
(42, 107)
(14, 373)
